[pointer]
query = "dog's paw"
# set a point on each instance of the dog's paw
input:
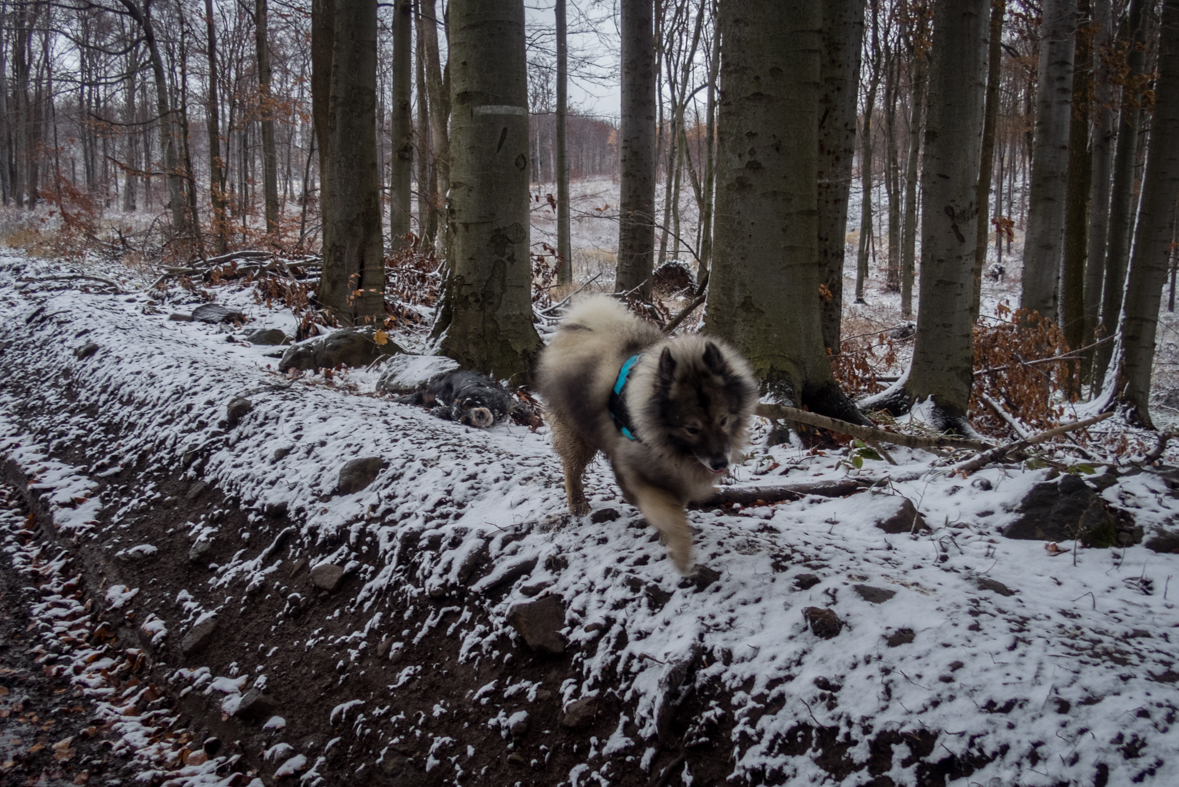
(579, 507)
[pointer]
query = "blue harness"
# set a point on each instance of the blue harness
(617, 405)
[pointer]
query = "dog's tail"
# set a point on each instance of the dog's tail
(594, 313)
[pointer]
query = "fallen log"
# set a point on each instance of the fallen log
(783, 493)
(998, 452)
(780, 412)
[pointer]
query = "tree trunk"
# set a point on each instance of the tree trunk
(564, 245)
(1156, 218)
(353, 282)
(438, 92)
(1076, 225)
(909, 246)
(942, 366)
(401, 176)
(266, 105)
(842, 42)
(427, 220)
(866, 134)
(636, 230)
(892, 177)
(709, 187)
(764, 291)
(213, 124)
(1046, 206)
(485, 320)
(987, 156)
(1102, 150)
(1121, 217)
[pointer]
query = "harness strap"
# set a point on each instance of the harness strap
(617, 406)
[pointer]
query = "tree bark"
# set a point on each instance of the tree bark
(866, 150)
(1072, 290)
(942, 367)
(1121, 218)
(213, 124)
(842, 43)
(1156, 216)
(764, 291)
(909, 246)
(1046, 205)
(564, 245)
(438, 92)
(1102, 150)
(401, 177)
(987, 156)
(636, 230)
(485, 320)
(352, 285)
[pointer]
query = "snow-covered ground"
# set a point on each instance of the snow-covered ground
(964, 657)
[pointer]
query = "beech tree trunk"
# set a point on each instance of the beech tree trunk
(401, 162)
(842, 42)
(866, 153)
(764, 290)
(1072, 286)
(564, 245)
(1046, 205)
(266, 104)
(438, 92)
(1102, 151)
(485, 319)
(909, 247)
(942, 367)
(987, 156)
(1156, 217)
(213, 124)
(353, 282)
(636, 225)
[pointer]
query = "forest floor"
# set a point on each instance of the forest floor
(224, 615)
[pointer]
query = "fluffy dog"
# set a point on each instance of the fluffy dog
(467, 397)
(670, 414)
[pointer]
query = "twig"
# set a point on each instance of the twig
(776, 412)
(999, 452)
(567, 298)
(1015, 427)
(1072, 355)
(679, 318)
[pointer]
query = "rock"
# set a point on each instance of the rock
(196, 491)
(345, 347)
(539, 623)
(85, 350)
(198, 636)
(281, 453)
(904, 331)
(993, 586)
(406, 374)
(255, 706)
(873, 595)
(1164, 541)
(900, 637)
(357, 474)
(704, 577)
(201, 552)
(215, 313)
(905, 518)
(174, 317)
(519, 727)
(580, 713)
(236, 410)
(604, 515)
(1065, 510)
(806, 581)
(267, 337)
(327, 576)
(824, 623)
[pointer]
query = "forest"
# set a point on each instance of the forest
(243, 541)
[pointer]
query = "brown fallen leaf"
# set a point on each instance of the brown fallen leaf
(3, 691)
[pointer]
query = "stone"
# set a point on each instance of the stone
(357, 474)
(905, 518)
(993, 586)
(824, 623)
(539, 623)
(345, 347)
(215, 313)
(1165, 541)
(327, 576)
(1062, 511)
(85, 350)
(236, 410)
(806, 581)
(900, 637)
(198, 636)
(604, 515)
(580, 713)
(519, 727)
(406, 374)
(873, 595)
(267, 337)
(201, 552)
(255, 706)
(196, 491)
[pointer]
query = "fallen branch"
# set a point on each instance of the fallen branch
(780, 412)
(1072, 355)
(785, 493)
(1001, 451)
(1015, 426)
(679, 318)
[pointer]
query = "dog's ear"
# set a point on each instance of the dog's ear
(666, 365)
(714, 360)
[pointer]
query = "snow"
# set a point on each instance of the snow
(1037, 688)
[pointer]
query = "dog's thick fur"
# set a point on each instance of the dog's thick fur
(470, 398)
(689, 399)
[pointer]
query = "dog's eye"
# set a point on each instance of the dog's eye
(691, 430)
(724, 421)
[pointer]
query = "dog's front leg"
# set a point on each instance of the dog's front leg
(665, 512)
(575, 456)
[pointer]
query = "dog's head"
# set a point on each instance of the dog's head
(703, 398)
(476, 415)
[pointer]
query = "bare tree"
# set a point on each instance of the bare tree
(636, 230)
(401, 164)
(564, 244)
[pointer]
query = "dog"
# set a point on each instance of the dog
(670, 414)
(470, 398)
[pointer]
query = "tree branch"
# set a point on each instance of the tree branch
(776, 412)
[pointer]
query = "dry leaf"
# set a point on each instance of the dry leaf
(381, 338)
